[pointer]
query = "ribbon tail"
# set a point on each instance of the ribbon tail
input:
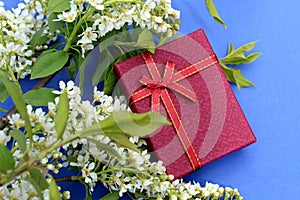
(177, 124)
(155, 100)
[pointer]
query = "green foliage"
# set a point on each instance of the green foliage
(237, 57)
(88, 196)
(49, 63)
(36, 187)
(75, 64)
(146, 40)
(128, 44)
(122, 140)
(7, 160)
(61, 117)
(105, 61)
(214, 12)
(3, 93)
(53, 190)
(133, 124)
(20, 138)
(109, 81)
(39, 178)
(105, 147)
(36, 39)
(58, 5)
(55, 25)
(39, 97)
(114, 195)
(17, 97)
(3, 110)
(121, 124)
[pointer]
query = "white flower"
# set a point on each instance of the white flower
(212, 188)
(97, 4)
(69, 88)
(88, 36)
(147, 7)
(86, 47)
(90, 177)
(68, 16)
(16, 120)
(105, 24)
(4, 137)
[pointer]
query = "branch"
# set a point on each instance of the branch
(66, 179)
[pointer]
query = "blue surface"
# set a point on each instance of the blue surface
(270, 168)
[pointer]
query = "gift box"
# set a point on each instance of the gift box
(183, 80)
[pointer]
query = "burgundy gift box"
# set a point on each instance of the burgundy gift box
(183, 80)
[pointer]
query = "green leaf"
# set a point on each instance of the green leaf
(35, 38)
(7, 160)
(146, 40)
(62, 114)
(125, 122)
(36, 187)
(213, 12)
(20, 138)
(119, 138)
(17, 97)
(252, 57)
(133, 124)
(230, 48)
(3, 93)
(39, 178)
(3, 110)
(122, 140)
(75, 64)
(58, 5)
(114, 195)
(237, 57)
(43, 39)
(49, 63)
(54, 191)
(241, 50)
(109, 82)
(88, 196)
(236, 76)
(54, 25)
(39, 97)
(105, 60)
(105, 147)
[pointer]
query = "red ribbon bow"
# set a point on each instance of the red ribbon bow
(157, 87)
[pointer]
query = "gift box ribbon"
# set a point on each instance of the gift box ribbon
(158, 88)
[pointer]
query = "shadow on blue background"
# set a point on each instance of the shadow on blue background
(270, 168)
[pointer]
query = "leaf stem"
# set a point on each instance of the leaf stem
(70, 40)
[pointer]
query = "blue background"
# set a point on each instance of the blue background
(270, 168)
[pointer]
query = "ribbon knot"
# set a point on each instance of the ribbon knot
(158, 88)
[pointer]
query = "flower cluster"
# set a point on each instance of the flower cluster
(25, 32)
(129, 171)
(113, 15)
(20, 189)
(18, 27)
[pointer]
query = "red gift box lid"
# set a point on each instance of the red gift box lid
(214, 122)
